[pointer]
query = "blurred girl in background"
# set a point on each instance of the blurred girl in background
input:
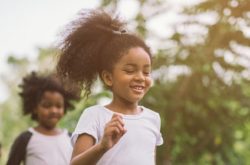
(46, 101)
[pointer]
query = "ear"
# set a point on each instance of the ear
(107, 78)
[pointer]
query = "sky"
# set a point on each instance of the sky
(28, 24)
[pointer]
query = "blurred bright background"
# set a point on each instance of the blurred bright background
(201, 70)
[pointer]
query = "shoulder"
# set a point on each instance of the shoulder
(151, 115)
(150, 112)
(26, 135)
(90, 115)
(65, 132)
(94, 111)
(18, 148)
(22, 139)
(89, 122)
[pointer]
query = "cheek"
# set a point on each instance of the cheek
(149, 82)
(62, 112)
(41, 116)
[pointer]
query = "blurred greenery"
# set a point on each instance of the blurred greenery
(201, 83)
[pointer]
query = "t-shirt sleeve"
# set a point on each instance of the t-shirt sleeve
(159, 139)
(87, 124)
(18, 149)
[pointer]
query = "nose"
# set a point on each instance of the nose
(139, 76)
(53, 109)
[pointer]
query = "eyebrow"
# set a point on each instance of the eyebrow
(134, 65)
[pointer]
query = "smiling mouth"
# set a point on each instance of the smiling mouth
(54, 117)
(138, 89)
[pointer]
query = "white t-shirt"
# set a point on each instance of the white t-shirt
(136, 147)
(48, 150)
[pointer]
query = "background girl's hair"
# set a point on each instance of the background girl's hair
(93, 43)
(33, 87)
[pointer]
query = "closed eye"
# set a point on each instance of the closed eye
(147, 72)
(129, 71)
(59, 106)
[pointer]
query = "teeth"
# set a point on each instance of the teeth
(139, 88)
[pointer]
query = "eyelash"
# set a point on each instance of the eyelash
(129, 71)
(48, 105)
(132, 71)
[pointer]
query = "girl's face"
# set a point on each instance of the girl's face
(50, 109)
(131, 76)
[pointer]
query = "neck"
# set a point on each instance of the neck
(47, 131)
(124, 107)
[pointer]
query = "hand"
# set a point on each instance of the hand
(113, 132)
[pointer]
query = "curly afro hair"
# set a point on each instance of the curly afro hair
(94, 42)
(33, 87)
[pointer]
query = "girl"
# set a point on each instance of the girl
(46, 101)
(121, 132)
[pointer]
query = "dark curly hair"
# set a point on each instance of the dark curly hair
(33, 87)
(93, 43)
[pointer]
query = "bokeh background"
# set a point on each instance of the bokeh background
(201, 70)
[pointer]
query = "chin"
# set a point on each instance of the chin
(136, 99)
(52, 125)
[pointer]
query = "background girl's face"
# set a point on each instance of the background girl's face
(50, 109)
(131, 75)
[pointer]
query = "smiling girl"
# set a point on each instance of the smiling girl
(121, 132)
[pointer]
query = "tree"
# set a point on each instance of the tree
(201, 80)
(206, 105)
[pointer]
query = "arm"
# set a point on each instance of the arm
(18, 149)
(86, 153)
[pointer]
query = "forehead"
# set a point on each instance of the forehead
(137, 56)
(52, 95)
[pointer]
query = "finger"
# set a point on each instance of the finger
(118, 125)
(115, 115)
(116, 133)
(115, 130)
(124, 131)
(118, 120)
(115, 124)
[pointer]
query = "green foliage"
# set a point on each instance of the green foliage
(205, 108)
(12, 121)
(204, 104)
